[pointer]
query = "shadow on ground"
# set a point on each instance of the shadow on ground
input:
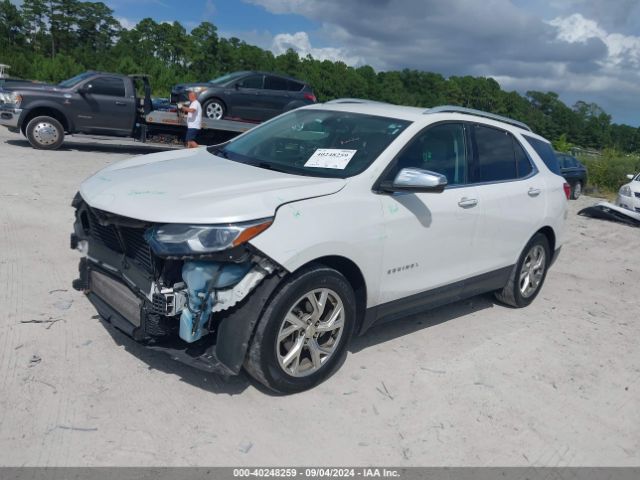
(219, 384)
(405, 326)
(97, 146)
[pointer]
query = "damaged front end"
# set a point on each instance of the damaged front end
(192, 291)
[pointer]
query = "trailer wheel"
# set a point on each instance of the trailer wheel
(214, 109)
(45, 133)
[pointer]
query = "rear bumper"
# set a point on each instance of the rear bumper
(9, 117)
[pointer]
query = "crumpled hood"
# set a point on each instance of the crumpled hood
(195, 186)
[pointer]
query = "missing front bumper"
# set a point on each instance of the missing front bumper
(222, 351)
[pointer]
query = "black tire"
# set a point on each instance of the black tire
(511, 294)
(262, 359)
(209, 104)
(45, 133)
(576, 190)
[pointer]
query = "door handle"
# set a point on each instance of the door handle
(534, 192)
(122, 104)
(467, 202)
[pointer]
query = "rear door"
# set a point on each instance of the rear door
(277, 94)
(107, 105)
(511, 197)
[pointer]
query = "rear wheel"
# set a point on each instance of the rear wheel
(528, 275)
(576, 190)
(214, 109)
(45, 133)
(303, 334)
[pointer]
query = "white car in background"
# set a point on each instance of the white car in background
(629, 194)
(272, 250)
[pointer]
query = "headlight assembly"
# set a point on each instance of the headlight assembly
(181, 240)
(625, 191)
(196, 89)
(10, 98)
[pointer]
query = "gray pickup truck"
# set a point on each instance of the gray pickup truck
(96, 103)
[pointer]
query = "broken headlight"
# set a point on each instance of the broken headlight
(179, 239)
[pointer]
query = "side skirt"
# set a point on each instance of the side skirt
(436, 297)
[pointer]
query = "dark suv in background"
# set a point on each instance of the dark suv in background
(254, 96)
(573, 172)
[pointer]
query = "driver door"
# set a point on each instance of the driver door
(104, 107)
(247, 99)
(429, 236)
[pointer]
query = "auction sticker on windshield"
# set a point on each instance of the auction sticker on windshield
(330, 158)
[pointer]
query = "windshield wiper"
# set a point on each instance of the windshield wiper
(270, 166)
(218, 151)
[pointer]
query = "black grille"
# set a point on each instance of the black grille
(133, 244)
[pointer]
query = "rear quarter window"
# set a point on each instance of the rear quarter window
(545, 152)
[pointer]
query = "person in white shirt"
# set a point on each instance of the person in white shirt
(194, 120)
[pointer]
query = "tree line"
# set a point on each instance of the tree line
(51, 40)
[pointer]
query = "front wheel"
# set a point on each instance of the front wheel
(45, 133)
(303, 334)
(214, 109)
(528, 275)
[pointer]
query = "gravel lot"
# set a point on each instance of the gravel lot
(473, 383)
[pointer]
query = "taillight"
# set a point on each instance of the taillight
(311, 97)
(567, 190)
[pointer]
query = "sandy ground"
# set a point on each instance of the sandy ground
(473, 383)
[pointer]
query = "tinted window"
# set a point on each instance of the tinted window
(228, 78)
(496, 160)
(545, 152)
(275, 83)
(523, 164)
(572, 162)
(75, 80)
(308, 142)
(253, 81)
(111, 86)
(439, 149)
(295, 86)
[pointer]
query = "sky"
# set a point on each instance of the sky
(582, 49)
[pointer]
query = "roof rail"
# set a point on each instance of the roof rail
(478, 113)
(354, 100)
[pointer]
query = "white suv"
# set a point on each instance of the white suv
(270, 251)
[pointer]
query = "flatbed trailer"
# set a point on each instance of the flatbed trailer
(90, 105)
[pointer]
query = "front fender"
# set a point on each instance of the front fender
(307, 230)
(29, 107)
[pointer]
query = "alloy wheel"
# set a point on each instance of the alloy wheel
(532, 270)
(214, 111)
(310, 332)
(45, 133)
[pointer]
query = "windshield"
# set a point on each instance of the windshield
(315, 143)
(70, 82)
(227, 78)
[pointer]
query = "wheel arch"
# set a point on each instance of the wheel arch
(48, 111)
(548, 232)
(214, 96)
(354, 276)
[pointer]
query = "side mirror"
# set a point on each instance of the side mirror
(416, 180)
(86, 88)
(237, 85)
(630, 176)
